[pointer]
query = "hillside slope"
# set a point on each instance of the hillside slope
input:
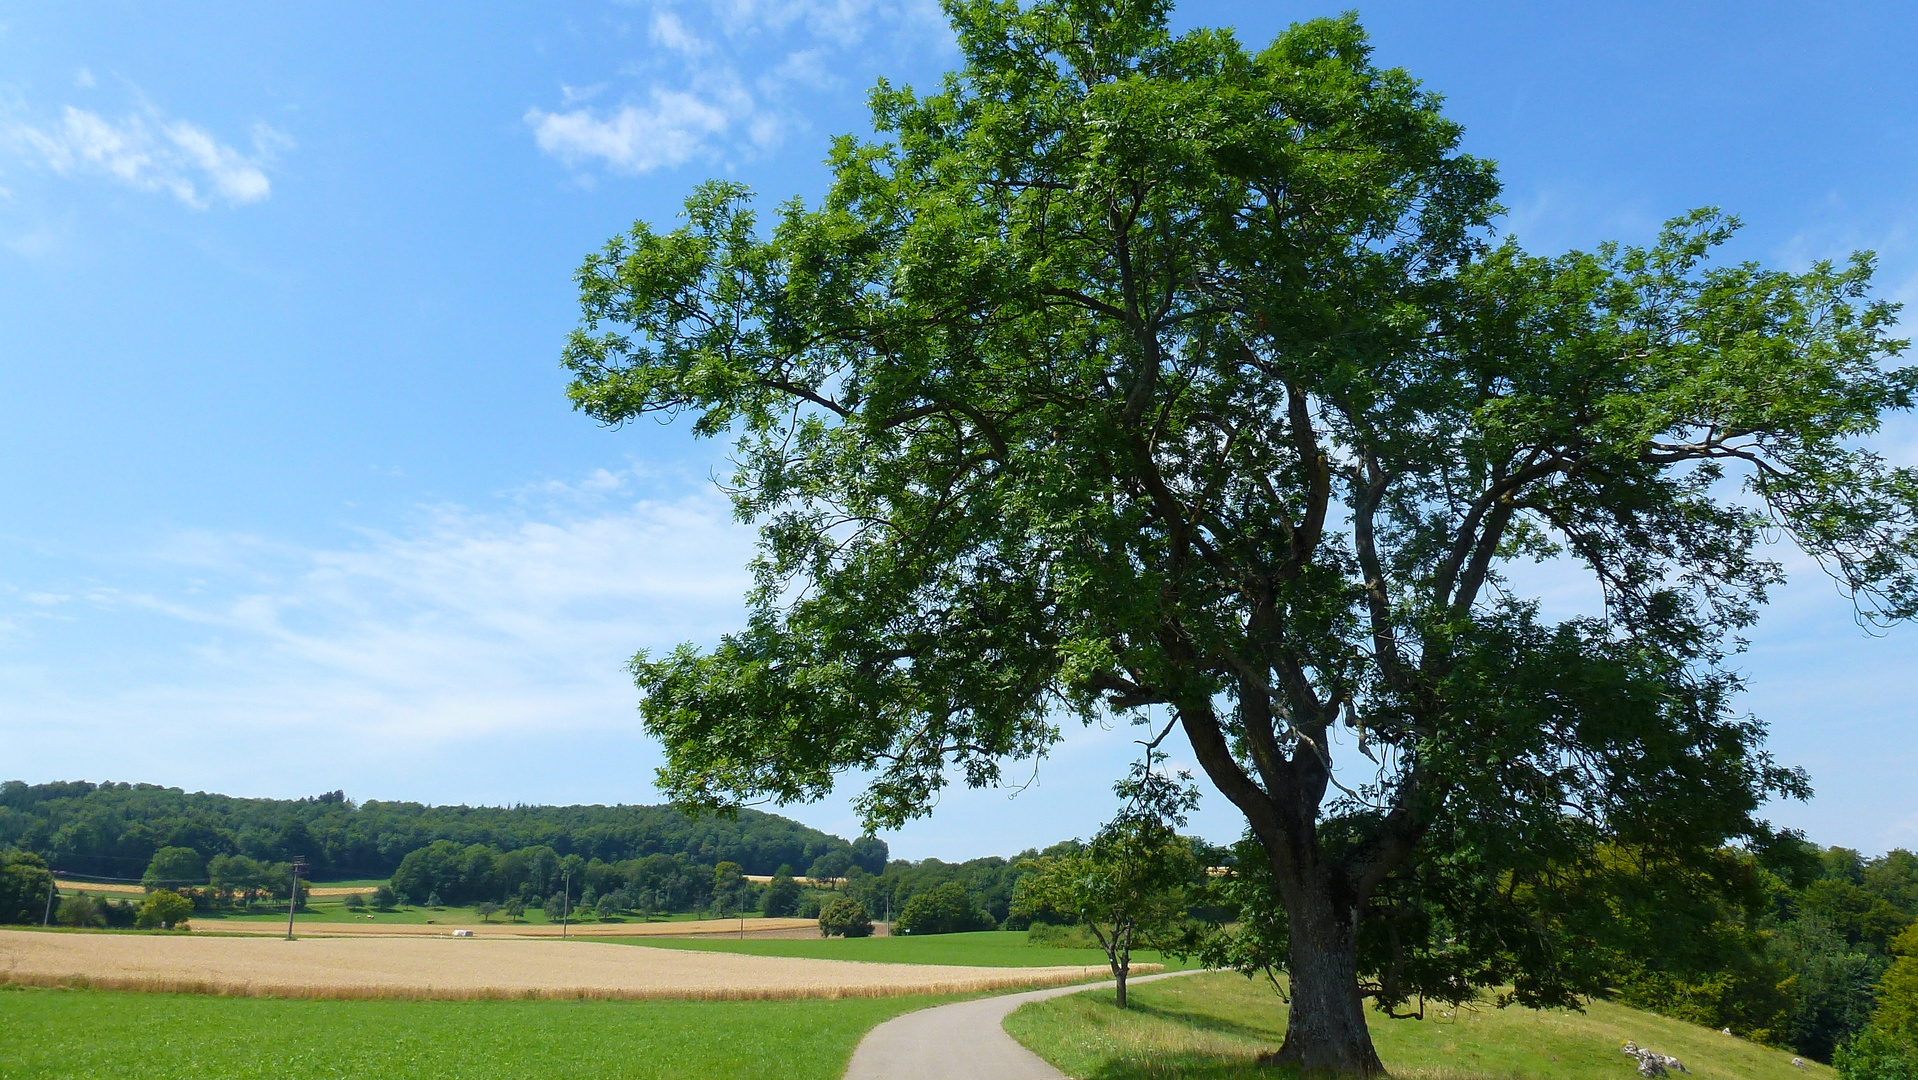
(1214, 1027)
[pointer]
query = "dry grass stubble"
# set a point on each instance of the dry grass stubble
(469, 968)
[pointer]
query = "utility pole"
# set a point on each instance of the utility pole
(565, 902)
(293, 896)
(47, 920)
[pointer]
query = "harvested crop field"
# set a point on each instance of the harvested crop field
(469, 968)
(276, 927)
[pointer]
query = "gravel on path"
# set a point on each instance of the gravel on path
(963, 1041)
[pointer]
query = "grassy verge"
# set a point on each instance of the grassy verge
(990, 948)
(1213, 1027)
(58, 1034)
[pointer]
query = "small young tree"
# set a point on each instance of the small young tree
(487, 909)
(515, 909)
(845, 917)
(164, 909)
(356, 902)
(1129, 886)
(433, 901)
(384, 898)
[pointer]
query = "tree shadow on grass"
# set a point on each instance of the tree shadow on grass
(1194, 1018)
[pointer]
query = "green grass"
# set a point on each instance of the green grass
(1213, 1027)
(990, 948)
(79, 1033)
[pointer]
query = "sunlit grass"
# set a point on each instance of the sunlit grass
(63, 1034)
(1214, 1027)
(989, 948)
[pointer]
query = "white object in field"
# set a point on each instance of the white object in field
(462, 933)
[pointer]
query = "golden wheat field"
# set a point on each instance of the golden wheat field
(468, 968)
(699, 928)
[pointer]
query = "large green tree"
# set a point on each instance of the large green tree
(1145, 373)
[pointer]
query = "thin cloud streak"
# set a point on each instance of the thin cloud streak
(467, 627)
(148, 152)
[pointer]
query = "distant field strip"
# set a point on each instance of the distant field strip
(276, 927)
(129, 889)
(468, 969)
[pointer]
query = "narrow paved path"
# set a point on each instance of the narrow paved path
(966, 1040)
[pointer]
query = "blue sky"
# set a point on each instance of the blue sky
(294, 500)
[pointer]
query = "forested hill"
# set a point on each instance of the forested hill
(112, 830)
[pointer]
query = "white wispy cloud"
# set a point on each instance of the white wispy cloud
(671, 128)
(148, 151)
(467, 627)
(695, 104)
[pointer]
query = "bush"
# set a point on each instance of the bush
(942, 909)
(384, 898)
(845, 917)
(164, 910)
(81, 910)
(810, 906)
(356, 902)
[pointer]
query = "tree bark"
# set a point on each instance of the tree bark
(1326, 1030)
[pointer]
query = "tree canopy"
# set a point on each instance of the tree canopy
(1145, 373)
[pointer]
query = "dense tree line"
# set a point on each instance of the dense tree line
(114, 830)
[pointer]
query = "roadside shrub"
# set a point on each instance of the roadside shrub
(942, 909)
(81, 910)
(845, 917)
(164, 909)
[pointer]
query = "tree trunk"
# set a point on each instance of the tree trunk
(1326, 1031)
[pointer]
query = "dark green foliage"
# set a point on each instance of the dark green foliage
(79, 910)
(1135, 369)
(24, 885)
(830, 866)
(384, 898)
(1888, 1047)
(114, 830)
(781, 898)
(942, 909)
(845, 917)
(175, 867)
(869, 853)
